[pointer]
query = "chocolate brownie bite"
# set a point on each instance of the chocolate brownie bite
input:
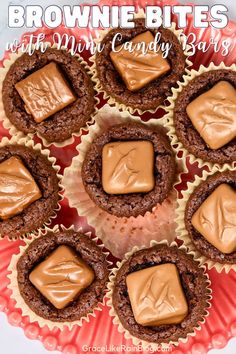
(48, 93)
(62, 276)
(210, 217)
(160, 294)
(123, 74)
(29, 190)
(205, 116)
(129, 169)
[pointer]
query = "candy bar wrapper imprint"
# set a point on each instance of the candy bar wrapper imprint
(13, 129)
(111, 100)
(181, 230)
(20, 303)
(29, 143)
(170, 125)
(119, 234)
(136, 341)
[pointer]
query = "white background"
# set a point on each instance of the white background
(12, 340)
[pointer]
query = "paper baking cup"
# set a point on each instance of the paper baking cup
(119, 234)
(181, 231)
(20, 302)
(26, 141)
(116, 321)
(176, 144)
(112, 101)
(13, 130)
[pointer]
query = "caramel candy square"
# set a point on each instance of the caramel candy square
(213, 115)
(45, 92)
(156, 295)
(136, 68)
(62, 276)
(18, 189)
(128, 167)
(215, 219)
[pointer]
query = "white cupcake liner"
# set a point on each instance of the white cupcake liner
(118, 234)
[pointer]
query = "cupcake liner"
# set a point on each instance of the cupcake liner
(176, 144)
(26, 141)
(20, 303)
(181, 231)
(112, 101)
(136, 341)
(14, 130)
(131, 231)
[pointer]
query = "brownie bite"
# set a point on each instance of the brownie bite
(62, 276)
(160, 294)
(48, 93)
(129, 169)
(205, 116)
(142, 78)
(210, 217)
(29, 190)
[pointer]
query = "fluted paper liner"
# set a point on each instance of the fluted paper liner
(20, 302)
(111, 100)
(116, 321)
(176, 144)
(26, 141)
(119, 234)
(181, 231)
(13, 130)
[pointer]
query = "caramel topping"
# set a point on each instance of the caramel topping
(213, 114)
(215, 219)
(156, 295)
(127, 167)
(45, 92)
(18, 189)
(136, 68)
(62, 276)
